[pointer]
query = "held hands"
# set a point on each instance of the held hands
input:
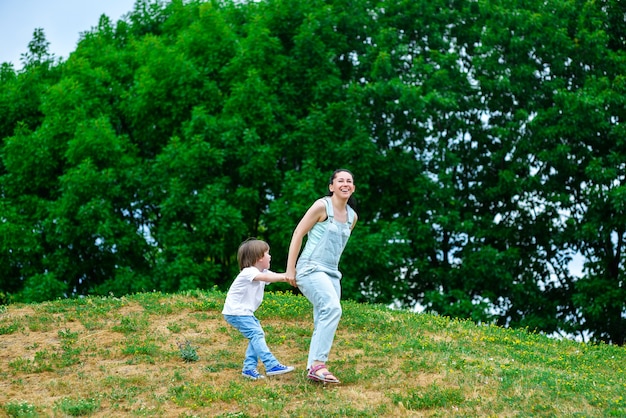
(290, 276)
(291, 281)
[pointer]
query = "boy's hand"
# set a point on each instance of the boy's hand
(291, 281)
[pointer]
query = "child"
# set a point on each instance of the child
(243, 299)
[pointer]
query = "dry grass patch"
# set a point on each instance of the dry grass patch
(124, 357)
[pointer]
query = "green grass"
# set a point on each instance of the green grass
(154, 354)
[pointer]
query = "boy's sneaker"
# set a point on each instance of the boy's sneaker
(252, 374)
(279, 369)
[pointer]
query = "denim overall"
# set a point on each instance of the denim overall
(319, 279)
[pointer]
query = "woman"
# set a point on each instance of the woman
(328, 223)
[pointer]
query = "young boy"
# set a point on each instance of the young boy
(243, 299)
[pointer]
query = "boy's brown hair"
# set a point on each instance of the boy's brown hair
(251, 251)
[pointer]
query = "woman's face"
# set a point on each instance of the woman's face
(342, 185)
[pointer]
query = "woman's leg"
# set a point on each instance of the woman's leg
(324, 293)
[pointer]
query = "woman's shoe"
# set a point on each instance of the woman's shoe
(319, 376)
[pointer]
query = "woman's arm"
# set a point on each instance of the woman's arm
(316, 213)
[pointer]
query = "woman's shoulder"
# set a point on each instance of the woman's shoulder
(318, 205)
(319, 209)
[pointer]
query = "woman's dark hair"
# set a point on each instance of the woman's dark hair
(351, 199)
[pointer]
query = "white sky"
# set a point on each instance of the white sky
(61, 20)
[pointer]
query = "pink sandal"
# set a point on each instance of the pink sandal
(324, 377)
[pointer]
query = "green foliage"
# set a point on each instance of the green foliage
(42, 287)
(486, 141)
(8, 327)
(131, 324)
(432, 397)
(21, 410)
(188, 352)
(77, 407)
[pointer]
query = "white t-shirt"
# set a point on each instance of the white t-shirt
(245, 294)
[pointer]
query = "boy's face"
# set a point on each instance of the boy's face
(265, 261)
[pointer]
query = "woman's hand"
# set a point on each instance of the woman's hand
(291, 277)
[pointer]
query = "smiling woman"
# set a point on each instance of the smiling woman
(328, 224)
(62, 23)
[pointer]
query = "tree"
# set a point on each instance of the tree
(485, 138)
(38, 53)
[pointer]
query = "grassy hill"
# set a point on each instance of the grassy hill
(174, 356)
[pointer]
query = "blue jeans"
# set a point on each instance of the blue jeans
(324, 293)
(257, 349)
